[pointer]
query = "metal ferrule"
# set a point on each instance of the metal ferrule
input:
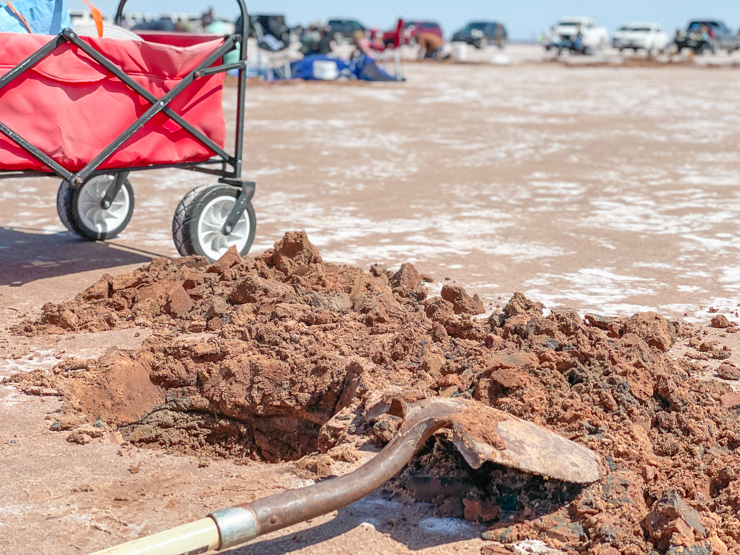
(236, 526)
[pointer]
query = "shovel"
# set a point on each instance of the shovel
(480, 433)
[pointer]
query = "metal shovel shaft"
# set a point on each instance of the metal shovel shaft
(237, 525)
(480, 433)
(281, 510)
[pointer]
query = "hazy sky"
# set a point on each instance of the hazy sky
(524, 18)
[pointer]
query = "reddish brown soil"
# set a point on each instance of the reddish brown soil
(281, 355)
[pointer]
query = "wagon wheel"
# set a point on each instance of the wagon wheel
(200, 216)
(83, 212)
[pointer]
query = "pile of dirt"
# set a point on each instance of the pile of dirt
(281, 356)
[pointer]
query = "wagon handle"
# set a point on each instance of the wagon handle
(242, 8)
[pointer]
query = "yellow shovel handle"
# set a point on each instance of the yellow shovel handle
(197, 537)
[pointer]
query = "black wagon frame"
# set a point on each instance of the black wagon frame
(230, 170)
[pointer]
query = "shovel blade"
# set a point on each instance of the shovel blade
(484, 434)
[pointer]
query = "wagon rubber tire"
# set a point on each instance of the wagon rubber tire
(77, 211)
(199, 217)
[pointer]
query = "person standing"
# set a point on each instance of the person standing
(430, 45)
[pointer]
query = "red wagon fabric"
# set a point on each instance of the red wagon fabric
(71, 107)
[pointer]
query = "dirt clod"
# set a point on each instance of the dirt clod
(519, 304)
(462, 303)
(672, 522)
(84, 434)
(407, 283)
(728, 372)
(294, 254)
(655, 330)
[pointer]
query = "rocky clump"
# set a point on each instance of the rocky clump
(728, 372)
(720, 321)
(462, 303)
(672, 522)
(281, 355)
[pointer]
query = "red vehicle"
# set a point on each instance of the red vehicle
(406, 32)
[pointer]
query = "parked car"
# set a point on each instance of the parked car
(430, 27)
(345, 27)
(578, 34)
(482, 33)
(410, 30)
(640, 36)
(260, 25)
(707, 35)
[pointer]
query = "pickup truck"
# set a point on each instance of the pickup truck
(707, 35)
(640, 36)
(578, 34)
(406, 31)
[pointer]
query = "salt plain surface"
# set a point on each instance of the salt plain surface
(603, 188)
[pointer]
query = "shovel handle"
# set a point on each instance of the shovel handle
(196, 537)
(240, 524)
(237, 525)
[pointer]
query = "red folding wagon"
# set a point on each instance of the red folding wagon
(93, 110)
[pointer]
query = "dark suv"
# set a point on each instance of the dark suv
(345, 27)
(707, 36)
(482, 33)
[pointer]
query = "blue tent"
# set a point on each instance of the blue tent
(321, 67)
(313, 67)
